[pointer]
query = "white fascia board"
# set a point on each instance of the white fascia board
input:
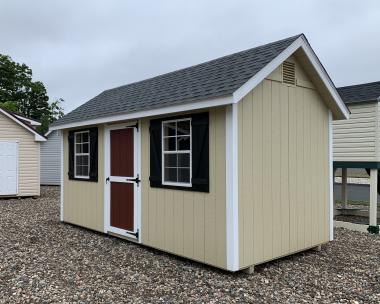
(31, 121)
(37, 137)
(209, 103)
(300, 42)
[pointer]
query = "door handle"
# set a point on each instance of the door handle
(107, 179)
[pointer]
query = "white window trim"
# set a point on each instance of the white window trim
(163, 152)
(81, 154)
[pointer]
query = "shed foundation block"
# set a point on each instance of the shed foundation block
(249, 270)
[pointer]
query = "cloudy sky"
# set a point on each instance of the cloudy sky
(80, 48)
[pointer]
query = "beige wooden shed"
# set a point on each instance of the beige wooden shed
(19, 155)
(211, 162)
(357, 140)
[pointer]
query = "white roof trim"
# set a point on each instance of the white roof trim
(160, 111)
(300, 42)
(31, 121)
(37, 136)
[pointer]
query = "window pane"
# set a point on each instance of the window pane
(169, 144)
(85, 137)
(170, 160)
(169, 129)
(78, 148)
(170, 174)
(183, 143)
(183, 127)
(79, 161)
(85, 170)
(79, 171)
(85, 148)
(184, 160)
(78, 137)
(184, 175)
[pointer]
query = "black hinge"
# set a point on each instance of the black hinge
(136, 125)
(136, 234)
(137, 180)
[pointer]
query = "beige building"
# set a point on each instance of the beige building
(357, 140)
(228, 163)
(19, 155)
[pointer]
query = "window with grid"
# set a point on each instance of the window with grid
(82, 154)
(176, 152)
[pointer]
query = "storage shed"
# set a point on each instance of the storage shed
(212, 162)
(357, 140)
(51, 159)
(19, 155)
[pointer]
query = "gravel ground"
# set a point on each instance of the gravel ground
(43, 260)
(353, 219)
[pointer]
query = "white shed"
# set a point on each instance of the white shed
(19, 155)
(51, 159)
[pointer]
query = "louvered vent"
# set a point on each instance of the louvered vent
(289, 72)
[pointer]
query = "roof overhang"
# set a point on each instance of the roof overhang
(31, 121)
(37, 136)
(190, 106)
(317, 73)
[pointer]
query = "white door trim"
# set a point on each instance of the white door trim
(17, 163)
(137, 189)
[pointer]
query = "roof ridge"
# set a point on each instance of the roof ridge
(206, 62)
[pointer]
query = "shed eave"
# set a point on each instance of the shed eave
(208, 103)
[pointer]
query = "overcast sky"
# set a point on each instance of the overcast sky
(80, 48)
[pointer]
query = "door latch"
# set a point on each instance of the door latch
(107, 179)
(137, 180)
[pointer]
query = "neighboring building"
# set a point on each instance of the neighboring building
(51, 159)
(19, 155)
(357, 140)
(228, 162)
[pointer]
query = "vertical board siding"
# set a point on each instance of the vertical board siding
(186, 223)
(283, 169)
(84, 200)
(28, 155)
(51, 159)
(356, 139)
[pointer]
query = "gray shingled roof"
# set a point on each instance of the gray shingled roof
(216, 78)
(360, 93)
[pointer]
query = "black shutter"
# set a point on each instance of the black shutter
(155, 177)
(71, 155)
(200, 152)
(93, 154)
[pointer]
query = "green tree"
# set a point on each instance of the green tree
(19, 93)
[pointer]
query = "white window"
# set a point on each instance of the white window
(176, 152)
(82, 154)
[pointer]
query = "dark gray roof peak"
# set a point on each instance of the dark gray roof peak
(216, 78)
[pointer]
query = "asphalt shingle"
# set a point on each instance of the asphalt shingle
(360, 93)
(212, 79)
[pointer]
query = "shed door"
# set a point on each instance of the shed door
(8, 168)
(123, 180)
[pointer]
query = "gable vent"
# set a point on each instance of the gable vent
(289, 72)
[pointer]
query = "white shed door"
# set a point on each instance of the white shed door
(8, 168)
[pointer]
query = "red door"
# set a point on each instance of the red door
(122, 179)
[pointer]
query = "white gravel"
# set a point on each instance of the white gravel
(45, 261)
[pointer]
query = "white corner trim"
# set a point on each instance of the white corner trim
(232, 211)
(37, 137)
(62, 175)
(300, 42)
(331, 177)
(209, 103)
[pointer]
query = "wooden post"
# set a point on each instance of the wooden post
(373, 198)
(344, 187)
